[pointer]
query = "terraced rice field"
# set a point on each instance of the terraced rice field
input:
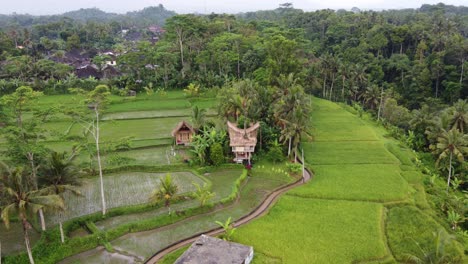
(340, 215)
(122, 189)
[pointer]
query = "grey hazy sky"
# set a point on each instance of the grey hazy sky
(42, 7)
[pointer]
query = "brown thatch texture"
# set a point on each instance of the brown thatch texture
(182, 124)
(243, 137)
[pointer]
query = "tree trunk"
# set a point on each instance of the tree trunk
(401, 48)
(289, 147)
(181, 45)
(462, 72)
(26, 240)
(41, 216)
(30, 157)
(0, 252)
(450, 171)
(380, 105)
(99, 163)
(324, 85)
(62, 236)
(331, 87)
(342, 89)
(437, 85)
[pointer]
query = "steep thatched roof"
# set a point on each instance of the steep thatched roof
(242, 137)
(181, 125)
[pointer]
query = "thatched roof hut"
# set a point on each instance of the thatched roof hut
(243, 141)
(183, 133)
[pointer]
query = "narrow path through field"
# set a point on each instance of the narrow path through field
(258, 212)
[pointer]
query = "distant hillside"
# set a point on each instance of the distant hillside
(90, 14)
(447, 9)
(147, 16)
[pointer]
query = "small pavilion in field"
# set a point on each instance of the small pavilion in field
(183, 133)
(243, 141)
(210, 250)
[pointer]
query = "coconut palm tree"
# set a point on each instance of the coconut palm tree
(371, 97)
(166, 192)
(296, 126)
(451, 144)
(24, 201)
(437, 125)
(58, 175)
(460, 116)
(198, 117)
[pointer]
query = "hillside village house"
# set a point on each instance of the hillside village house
(183, 133)
(243, 141)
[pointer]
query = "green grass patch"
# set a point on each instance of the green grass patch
(298, 230)
(413, 177)
(349, 152)
(142, 143)
(144, 105)
(342, 131)
(148, 114)
(402, 154)
(148, 156)
(376, 182)
(409, 230)
(173, 256)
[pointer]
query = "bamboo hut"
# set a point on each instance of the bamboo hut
(243, 141)
(183, 133)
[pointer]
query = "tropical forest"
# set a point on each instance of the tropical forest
(324, 136)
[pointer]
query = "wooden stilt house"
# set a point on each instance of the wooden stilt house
(243, 141)
(183, 133)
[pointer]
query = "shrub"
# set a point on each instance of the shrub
(275, 154)
(294, 168)
(216, 154)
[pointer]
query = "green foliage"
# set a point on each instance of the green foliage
(216, 154)
(166, 191)
(192, 90)
(275, 153)
(116, 159)
(228, 229)
(202, 194)
(294, 168)
(411, 232)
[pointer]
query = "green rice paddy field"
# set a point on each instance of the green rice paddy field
(148, 121)
(360, 206)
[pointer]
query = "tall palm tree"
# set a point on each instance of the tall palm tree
(198, 117)
(296, 126)
(460, 116)
(166, 192)
(371, 97)
(437, 125)
(58, 175)
(24, 201)
(451, 144)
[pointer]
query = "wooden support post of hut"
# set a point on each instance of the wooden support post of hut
(183, 133)
(243, 141)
